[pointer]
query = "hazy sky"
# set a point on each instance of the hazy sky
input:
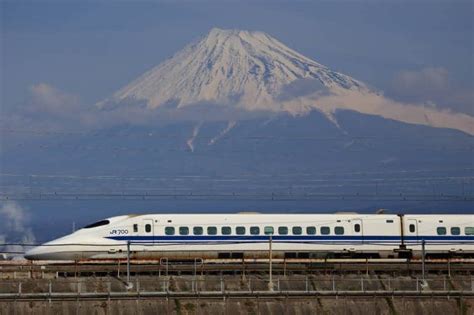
(80, 52)
(413, 50)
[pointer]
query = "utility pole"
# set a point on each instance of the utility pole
(423, 259)
(270, 272)
(129, 284)
(424, 284)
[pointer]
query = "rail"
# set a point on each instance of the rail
(18, 269)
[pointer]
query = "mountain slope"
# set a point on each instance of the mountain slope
(254, 71)
(230, 65)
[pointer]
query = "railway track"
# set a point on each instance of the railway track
(32, 269)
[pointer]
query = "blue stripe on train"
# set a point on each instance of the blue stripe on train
(293, 238)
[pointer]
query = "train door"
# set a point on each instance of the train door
(357, 230)
(412, 231)
(149, 230)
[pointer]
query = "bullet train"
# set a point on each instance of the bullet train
(249, 235)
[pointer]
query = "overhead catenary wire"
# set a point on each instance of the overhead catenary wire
(323, 176)
(234, 196)
(160, 134)
(182, 148)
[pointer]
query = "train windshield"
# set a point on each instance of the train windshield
(96, 224)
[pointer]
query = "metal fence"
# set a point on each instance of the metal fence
(236, 284)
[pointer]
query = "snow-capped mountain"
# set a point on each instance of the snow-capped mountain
(254, 71)
(228, 66)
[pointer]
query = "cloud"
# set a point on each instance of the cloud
(377, 104)
(48, 94)
(131, 112)
(422, 83)
(14, 229)
(50, 108)
(431, 86)
(45, 98)
(301, 87)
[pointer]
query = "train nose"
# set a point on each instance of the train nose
(33, 253)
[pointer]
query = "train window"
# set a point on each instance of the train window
(411, 228)
(282, 230)
(183, 230)
(339, 230)
(198, 230)
(325, 230)
(135, 228)
(441, 230)
(254, 230)
(268, 230)
(211, 230)
(297, 230)
(148, 228)
(310, 230)
(169, 230)
(455, 230)
(240, 230)
(469, 230)
(357, 228)
(96, 224)
(226, 230)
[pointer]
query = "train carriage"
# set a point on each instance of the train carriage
(247, 235)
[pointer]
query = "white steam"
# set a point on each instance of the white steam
(190, 141)
(14, 229)
(231, 124)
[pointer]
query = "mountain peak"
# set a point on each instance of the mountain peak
(226, 33)
(215, 31)
(238, 67)
(245, 35)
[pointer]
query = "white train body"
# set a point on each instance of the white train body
(247, 235)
